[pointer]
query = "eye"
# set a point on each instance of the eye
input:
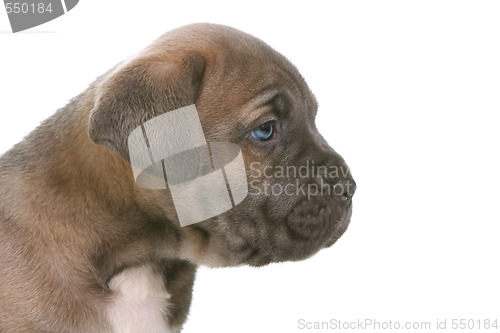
(264, 132)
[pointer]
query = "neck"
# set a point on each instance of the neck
(83, 196)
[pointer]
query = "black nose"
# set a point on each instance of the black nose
(344, 188)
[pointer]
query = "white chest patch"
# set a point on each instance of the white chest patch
(139, 303)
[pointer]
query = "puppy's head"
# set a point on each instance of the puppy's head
(299, 188)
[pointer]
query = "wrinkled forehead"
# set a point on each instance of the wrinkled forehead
(242, 73)
(261, 79)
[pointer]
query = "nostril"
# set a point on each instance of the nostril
(344, 189)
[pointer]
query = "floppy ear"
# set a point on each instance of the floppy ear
(139, 91)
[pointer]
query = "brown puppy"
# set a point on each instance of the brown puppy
(84, 249)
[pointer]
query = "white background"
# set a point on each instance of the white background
(409, 94)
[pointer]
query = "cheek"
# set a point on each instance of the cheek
(274, 193)
(257, 168)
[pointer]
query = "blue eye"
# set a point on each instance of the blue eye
(264, 132)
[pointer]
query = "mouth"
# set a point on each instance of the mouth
(252, 237)
(320, 220)
(342, 223)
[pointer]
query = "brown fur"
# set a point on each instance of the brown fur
(71, 216)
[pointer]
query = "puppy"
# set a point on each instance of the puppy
(83, 248)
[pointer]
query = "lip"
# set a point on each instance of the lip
(342, 224)
(319, 219)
